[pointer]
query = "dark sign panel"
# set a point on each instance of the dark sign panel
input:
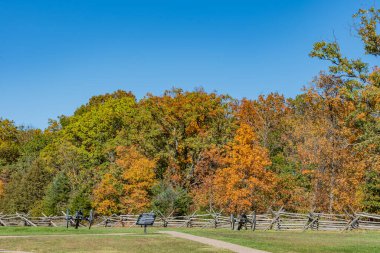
(146, 219)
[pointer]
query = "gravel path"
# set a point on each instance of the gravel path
(213, 242)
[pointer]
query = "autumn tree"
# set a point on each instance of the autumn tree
(127, 187)
(186, 123)
(321, 143)
(84, 142)
(331, 121)
(9, 143)
(138, 178)
(367, 119)
(202, 188)
(176, 128)
(267, 115)
(107, 195)
(245, 183)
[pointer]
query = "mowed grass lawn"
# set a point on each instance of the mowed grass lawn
(133, 240)
(296, 241)
(95, 240)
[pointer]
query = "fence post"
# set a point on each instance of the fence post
(254, 221)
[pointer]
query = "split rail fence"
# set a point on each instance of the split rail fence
(273, 220)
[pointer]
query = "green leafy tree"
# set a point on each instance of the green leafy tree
(167, 199)
(57, 194)
(26, 189)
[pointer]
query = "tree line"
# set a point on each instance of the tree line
(192, 150)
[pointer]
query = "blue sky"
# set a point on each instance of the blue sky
(55, 55)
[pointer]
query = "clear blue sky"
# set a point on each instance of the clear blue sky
(55, 55)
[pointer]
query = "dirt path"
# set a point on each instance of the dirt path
(213, 242)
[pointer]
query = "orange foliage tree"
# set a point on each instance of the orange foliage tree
(322, 142)
(126, 188)
(106, 195)
(138, 179)
(267, 116)
(245, 183)
(202, 188)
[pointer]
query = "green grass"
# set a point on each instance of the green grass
(302, 242)
(69, 231)
(42, 239)
(81, 240)
(87, 243)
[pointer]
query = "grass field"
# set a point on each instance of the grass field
(302, 242)
(133, 240)
(95, 240)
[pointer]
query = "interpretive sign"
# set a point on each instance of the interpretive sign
(146, 219)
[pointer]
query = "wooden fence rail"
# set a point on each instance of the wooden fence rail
(273, 220)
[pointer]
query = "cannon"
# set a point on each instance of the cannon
(76, 219)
